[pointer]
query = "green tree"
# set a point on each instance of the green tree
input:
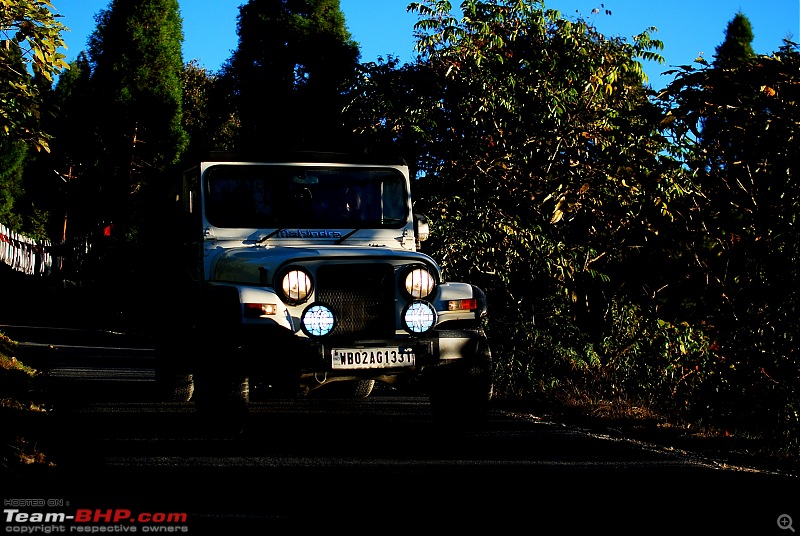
(30, 37)
(734, 54)
(74, 146)
(137, 69)
(207, 113)
(19, 211)
(377, 108)
(737, 46)
(736, 131)
(54, 181)
(294, 61)
(540, 166)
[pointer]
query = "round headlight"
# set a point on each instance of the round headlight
(296, 286)
(419, 317)
(318, 320)
(419, 283)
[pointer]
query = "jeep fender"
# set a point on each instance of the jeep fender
(460, 291)
(228, 305)
(254, 296)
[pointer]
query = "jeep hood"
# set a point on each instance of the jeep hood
(257, 265)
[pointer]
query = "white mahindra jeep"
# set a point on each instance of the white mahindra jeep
(304, 276)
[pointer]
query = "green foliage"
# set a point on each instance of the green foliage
(207, 117)
(11, 365)
(12, 159)
(631, 246)
(651, 359)
(736, 128)
(287, 77)
(528, 163)
(30, 37)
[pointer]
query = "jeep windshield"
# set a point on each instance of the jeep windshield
(276, 196)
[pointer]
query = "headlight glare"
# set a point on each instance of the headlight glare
(318, 320)
(419, 317)
(296, 286)
(419, 283)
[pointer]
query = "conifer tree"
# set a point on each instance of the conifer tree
(75, 149)
(137, 65)
(294, 61)
(73, 144)
(729, 88)
(737, 46)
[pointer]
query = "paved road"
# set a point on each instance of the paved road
(306, 465)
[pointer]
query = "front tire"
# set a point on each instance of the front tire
(352, 389)
(174, 381)
(174, 386)
(363, 388)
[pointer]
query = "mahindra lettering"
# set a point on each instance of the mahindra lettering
(304, 276)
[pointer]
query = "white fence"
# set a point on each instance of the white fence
(25, 254)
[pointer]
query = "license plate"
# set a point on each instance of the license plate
(370, 358)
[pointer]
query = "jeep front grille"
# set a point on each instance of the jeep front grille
(362, 296)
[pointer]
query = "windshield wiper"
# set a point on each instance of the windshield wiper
(348, 235)
(270, 235)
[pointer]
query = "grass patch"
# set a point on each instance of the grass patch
(20, 410)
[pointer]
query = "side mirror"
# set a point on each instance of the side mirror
(421, 228)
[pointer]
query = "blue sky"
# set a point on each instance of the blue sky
(381, 27)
